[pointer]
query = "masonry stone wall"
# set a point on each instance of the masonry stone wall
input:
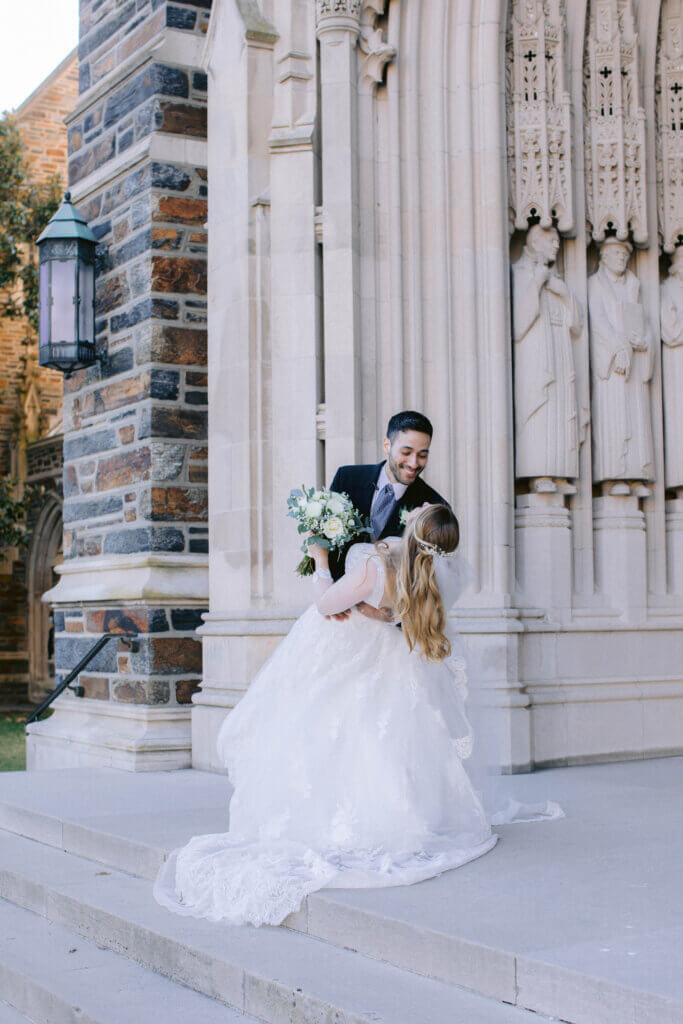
(135, 424)
(41, 119)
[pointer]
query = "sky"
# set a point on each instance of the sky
(35, 36)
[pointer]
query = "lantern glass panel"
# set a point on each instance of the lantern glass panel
(44, 303)
(62, 294)
(86, 317)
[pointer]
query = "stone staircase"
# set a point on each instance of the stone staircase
(513, 937)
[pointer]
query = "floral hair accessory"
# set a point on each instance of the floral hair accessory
(432, 549)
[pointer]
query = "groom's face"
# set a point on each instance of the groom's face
(406, 455)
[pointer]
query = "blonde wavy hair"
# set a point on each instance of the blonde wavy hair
(418, 601)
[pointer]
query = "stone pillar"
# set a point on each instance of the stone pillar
(621, 550)
(264, 343)
(674, 542)
(135, 426)
(338, 30)
(543, 550)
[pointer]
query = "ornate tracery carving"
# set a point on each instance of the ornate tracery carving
(669, 88)
(539, 140)
(615, 124)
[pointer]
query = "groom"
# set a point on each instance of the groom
(381, 492)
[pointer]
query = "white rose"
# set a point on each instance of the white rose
(313, 509)
(336, 506)
(334, 528)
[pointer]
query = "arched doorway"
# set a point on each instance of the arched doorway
(44, 555)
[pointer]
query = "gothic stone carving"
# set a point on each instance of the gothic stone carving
(669, 91)
(546, 317)
(333, 14)
(615, 124)
(539, 141)
(672, 370)
(376, 51)
(621, 355)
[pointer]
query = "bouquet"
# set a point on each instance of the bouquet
(330, 518)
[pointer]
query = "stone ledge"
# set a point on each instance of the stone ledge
(131, 737)
(158, 146)
(180, 578)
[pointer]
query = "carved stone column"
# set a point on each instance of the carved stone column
(543, 549)
(621, 343)
(620, 553)
(621, 347)
(674, 543)
(669, 142)
(546, 318)
(338, 30)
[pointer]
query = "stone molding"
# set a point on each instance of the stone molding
(131, 737)
(160, 147)
(176, 578)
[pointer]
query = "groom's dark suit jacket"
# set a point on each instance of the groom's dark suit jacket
(360, 482)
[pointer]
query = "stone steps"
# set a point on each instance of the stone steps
(272, 974)
(575, 919)
(55, 977)
(485, 970)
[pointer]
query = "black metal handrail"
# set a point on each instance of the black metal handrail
(83, 663)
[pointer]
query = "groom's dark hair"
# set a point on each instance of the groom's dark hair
(408, 420)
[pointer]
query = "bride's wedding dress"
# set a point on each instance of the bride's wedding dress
(347, 757)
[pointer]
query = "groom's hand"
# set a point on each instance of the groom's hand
(370, 612)
(340, 616)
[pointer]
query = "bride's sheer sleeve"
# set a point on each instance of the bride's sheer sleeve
(363, 582)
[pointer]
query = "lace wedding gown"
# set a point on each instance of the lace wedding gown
(346, 757)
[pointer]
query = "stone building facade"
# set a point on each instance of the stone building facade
(381, 171)
(135, 424)
(30, 426)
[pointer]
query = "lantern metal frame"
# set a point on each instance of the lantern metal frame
(68, 239)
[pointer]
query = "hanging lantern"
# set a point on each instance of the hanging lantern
(67, 291)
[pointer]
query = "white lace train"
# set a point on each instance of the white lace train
(346, 757)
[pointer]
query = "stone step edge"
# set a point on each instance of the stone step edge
(25, 992)
(10, 1015)
(240, 987)
(486, 971)
(466, 964)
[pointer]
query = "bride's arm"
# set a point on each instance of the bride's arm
(353, 588)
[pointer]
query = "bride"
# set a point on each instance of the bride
(346, 753)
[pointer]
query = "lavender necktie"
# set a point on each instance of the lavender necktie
(386, 500)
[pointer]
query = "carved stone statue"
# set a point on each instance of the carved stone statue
(621, 355)
(546, 317)
(672, 370)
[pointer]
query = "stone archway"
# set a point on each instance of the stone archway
(44, 554)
